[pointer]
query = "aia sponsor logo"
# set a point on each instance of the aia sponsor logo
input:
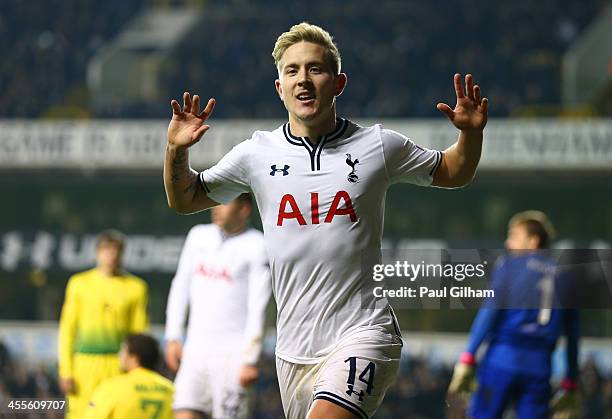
(214, 272)
(341, 206)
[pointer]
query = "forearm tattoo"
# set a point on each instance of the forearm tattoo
(178, 164)
(193, 188)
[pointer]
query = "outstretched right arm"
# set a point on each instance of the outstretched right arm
(180, 181)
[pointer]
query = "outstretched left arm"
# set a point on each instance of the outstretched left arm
(460, 160)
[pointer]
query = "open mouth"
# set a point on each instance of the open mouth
(305, 97)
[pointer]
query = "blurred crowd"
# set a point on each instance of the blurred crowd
(45, 46)
(400, 56)
(18, 380)
(419, 392)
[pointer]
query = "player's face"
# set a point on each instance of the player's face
(232, 216)
(519, 238)
(307, 84)
(123, 358)
(108, 255)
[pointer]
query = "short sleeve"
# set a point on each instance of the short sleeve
(406, 161)
(228, 179)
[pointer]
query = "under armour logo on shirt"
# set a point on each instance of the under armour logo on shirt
(285, 170)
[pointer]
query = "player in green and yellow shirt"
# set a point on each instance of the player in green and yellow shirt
(141, 393)
(102, 306)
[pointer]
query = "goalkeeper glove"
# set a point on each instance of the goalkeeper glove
(463, 382)
(566, 403)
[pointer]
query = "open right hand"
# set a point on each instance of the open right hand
(187, 125)
(174, 353)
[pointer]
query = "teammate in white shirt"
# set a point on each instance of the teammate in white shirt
(320, 184)
(224, 280)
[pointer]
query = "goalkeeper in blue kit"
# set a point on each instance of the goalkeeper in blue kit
(515, 370)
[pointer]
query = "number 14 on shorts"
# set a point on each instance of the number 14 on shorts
(366, 376)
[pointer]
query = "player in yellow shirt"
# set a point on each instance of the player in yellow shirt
(102, 306)
(141, 393)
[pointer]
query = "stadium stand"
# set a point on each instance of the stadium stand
(46, 45)
(409, 50)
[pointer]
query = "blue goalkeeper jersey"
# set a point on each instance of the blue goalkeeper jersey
(523, 322)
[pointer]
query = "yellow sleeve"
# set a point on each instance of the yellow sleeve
(68, 329)
(102, 401)
(139, 321)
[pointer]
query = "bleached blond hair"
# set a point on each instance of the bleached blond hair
(305, 32)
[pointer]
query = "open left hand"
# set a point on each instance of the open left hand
(464, 380)
(470, 113)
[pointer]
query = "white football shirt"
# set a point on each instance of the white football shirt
(322, 208)
(225, 283)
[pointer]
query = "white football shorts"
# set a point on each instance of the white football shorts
(209, 382)
(355, 375)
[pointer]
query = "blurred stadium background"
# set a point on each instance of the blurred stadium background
(84, 103)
